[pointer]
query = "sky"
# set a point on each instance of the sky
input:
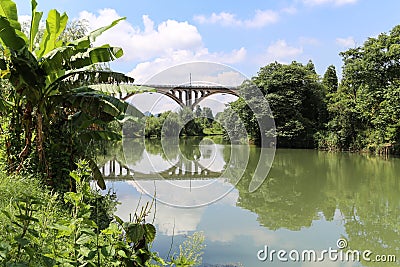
(244, 35)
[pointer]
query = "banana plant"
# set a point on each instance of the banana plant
(50, 75)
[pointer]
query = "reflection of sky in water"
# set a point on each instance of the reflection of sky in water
(309, 201)
(211, 159)
(151, 163)
(232, 234)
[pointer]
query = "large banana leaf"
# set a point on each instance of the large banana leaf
(36, 17)
(97, 135)
(55, 25)
(9, 36)
(58, 58)
(97, 174)
(82, 77)
(95, 55)
(28, 69)
(86, 92)
(8, 9)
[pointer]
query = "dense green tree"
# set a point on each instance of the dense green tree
(153, 126)
(171, 124)
(234, 128)
(365, 111)
(330, 80)
(296, 98)
(191, 124)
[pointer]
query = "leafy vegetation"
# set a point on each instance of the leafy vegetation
(365, 111)
(296, 98)
(40, 232)
(170, 124)
(359, 113)
(50, 110)
(52, 114)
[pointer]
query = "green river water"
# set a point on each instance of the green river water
(308, 201)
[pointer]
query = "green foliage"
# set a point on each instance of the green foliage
(294, 95)
(365, 110)
(171, 124)
(50, 77)
(330, 80)
(41, 232)
(190, 251)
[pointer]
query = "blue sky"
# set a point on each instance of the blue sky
(245, 35)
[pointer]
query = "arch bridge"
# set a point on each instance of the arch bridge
(185, 95)
(182, 170)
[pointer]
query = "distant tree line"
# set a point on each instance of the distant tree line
(185, 122)
(361, 112)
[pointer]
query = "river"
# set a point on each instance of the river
(309, 200)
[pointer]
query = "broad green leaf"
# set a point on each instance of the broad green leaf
(95, 55)
(134, 232)
(8, 35)
(27, 67)
(149, 232)
(97, 174)
(8, 9)
(57, 58)
(122, 254)
(36, 17)
(84, 239)
(96, 103)
(55, 25)
(87, 76)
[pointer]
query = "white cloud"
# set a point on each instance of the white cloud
(346, 42)
(260, 19)
(161, 46)
(334, 2)
(143, 71)
(150, 42)
(280, 50)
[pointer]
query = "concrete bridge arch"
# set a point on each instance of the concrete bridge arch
(187, 95)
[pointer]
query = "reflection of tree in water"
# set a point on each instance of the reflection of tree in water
(303, 183)
(369, 200)
(290, 196)
(189, 148)
(133, 149)
(111, 151)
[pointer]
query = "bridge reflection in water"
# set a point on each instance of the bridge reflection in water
(146, 159)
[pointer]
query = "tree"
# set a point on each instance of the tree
(51, 104)
(208, 117)
(330, 80)
(296, 99)
(365, 110)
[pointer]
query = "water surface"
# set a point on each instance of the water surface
(309, 200)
